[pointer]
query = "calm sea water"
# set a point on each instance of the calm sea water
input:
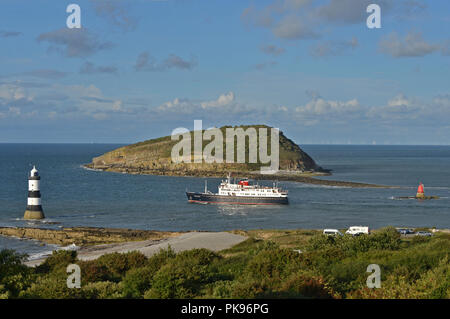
(74, 196)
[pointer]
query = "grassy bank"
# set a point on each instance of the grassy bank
(267, 265)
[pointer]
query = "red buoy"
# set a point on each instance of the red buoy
(420, 191)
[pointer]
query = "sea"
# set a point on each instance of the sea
(75, 196)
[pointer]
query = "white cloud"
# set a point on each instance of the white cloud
(222, 103)
(146, 62)
(57, 100)
(222, 100)
(293, 27)
(413, 45)
(322, 107)
(74, 43)
(13, 92)
(399, 100)
(333, 48)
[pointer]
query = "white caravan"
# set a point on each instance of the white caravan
(358, 230)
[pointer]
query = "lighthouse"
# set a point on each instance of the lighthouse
(34, 207)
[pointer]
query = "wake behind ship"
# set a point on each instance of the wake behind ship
(241, 194)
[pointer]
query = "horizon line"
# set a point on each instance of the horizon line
(117, 143)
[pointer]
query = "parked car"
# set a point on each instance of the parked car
(358, 230)
(332, 232)
(405, 231)
(424, 233)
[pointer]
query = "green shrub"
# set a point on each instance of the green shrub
(221, 289)
(119, 263)
(4, 294)
(248, 289)
(420, 240)
(387, 238)
(137, 281)
(230, 268)
(199, 256)
(101, 290)
(51, 287)
(273, 263)
(92, 271)
(14, 275)
(435, 283)
(159, 259)
(306, 285)
(58, 261)
(184, 275)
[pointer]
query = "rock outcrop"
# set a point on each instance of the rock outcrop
(82, 236)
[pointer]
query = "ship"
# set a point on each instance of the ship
(240, 193)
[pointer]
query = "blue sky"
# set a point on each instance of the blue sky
(139, 69)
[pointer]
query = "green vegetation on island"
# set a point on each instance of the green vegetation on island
(270, 264)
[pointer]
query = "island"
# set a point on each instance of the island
(153, 157)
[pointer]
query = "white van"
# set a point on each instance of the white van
(358, 230)
(332, 232)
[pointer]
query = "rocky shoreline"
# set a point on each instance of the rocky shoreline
(292, 176)
(85, 236)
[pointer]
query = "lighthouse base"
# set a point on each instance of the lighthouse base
(31, 214)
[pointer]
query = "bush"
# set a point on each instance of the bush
(101, 290)
(4, 294)
(199, 256)
(51, 286)
(137, 281)
(92, 271)
(273, 264)
(248, 289)
(184, 275)
(119, 263)
(387, 238)
(58, 261)
(306, 285)
(158, 260)
(435, 283)
(221, 289)
(14, 275)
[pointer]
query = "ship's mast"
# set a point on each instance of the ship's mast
(206, 186)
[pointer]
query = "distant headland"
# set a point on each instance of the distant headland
(154, 157)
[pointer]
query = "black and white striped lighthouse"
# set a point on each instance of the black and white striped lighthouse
(34, 205)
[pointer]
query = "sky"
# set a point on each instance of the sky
(139, 69)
